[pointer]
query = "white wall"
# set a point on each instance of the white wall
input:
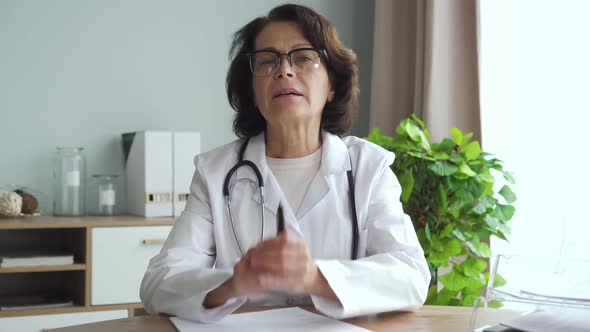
(535, 114)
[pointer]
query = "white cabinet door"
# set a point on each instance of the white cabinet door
(120, 256)
(42, 322)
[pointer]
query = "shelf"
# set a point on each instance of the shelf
(31, 312)
(48, 268)
(45, 222)
(59, 283)
(64, 310)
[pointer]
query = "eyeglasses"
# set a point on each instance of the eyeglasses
(267, 62)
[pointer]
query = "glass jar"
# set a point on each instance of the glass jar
(69, 175)
(103, 194)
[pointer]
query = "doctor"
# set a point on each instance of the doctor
(294, 88)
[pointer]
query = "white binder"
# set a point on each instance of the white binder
(158, 171)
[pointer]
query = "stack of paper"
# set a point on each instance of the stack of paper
(288, 319)
(551, 321)
(28, 259)
(21, 302)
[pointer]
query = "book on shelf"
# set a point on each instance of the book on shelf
(27, 302)
(35, 258)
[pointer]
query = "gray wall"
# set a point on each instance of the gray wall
(80, 73)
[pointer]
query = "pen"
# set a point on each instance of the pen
(280, 220)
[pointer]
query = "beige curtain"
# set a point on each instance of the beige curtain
(425, 61)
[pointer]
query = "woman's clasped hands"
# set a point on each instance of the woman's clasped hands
(280, 263)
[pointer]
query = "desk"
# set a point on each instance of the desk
(427, 318)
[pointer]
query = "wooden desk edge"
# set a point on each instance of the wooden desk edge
(427, 318)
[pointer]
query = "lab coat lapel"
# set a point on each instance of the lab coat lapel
(256, 152)
(334, 160)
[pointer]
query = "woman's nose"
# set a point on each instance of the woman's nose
(285, 68)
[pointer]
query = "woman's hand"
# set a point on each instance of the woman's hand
(284, 262)
(246, 281)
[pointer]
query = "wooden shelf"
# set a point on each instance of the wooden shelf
(47, 311)
(43, 222)
(74, 235)
(63, 310)
(47, 268)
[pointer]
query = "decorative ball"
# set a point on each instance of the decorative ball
(10, 204)
(30, 202)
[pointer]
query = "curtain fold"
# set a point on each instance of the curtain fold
(425, 61)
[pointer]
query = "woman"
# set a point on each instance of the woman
(294, 88)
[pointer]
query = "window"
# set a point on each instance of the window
(535, 103)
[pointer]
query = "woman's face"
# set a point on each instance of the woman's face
(289, 98)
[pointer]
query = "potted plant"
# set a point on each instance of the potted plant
(448, 191)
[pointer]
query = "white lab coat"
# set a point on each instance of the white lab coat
(200, 252)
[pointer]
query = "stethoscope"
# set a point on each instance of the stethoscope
(260, 181)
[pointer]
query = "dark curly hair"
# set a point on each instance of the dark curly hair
(338, 115)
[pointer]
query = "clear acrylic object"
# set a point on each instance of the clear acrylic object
(556, 290)
(69, 175)
(104, 194)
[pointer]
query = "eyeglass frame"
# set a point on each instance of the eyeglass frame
(320, 52)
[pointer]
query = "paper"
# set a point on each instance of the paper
(288, 319)
(552, 321)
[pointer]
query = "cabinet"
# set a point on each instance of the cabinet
(110, 256)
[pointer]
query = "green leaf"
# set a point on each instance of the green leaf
(492, 223)
(444, 206)
(448, 229)
(457, 135)
(477, 282)
(445, 296)
(375, 134)
(432, 295)
(472, 150)
(509, 177)
(453, 248)
(455, 302)
(406, 181)
(467, 137)
(459, 235)
(457, 158)
(504, 212)
(499, 281)
(481, 249)
(440, 155)
(427, 232)
(508, 194)
(488, 189)
(446, 145)
(479, 209)
(472, 267)
(438, 259)
(483, 204)
(401, 128)
(443, 168)
(486, 177)
(465, 169)
(468, 300)
(418, 121)
(453, 281)
(416, 134)
(460, 199)
(497, 227)
(476, 291)
(495, 304)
